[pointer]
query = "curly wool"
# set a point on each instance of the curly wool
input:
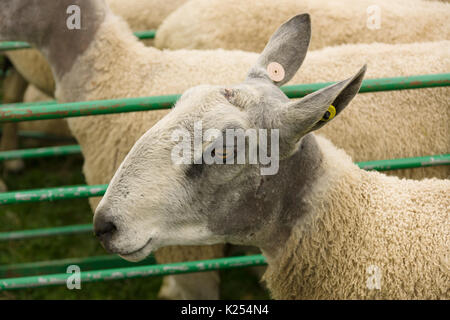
(360, 221)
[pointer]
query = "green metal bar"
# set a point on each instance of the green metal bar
(405, 83)
(406, 163)
(51, 194)
(376, 85)
(147, 34)
(134, 272)
(28, 104)
(3, 73)
(40, 152)
(77, 109)
(60, 266)
(85, 191)
(47, 232)
(87, 108)
(15, 45)
(369, 85)
(99, 190)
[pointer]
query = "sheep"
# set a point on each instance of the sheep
(140, 14)
(14, 86)
(247, 25)
(328, 229)
(102, 70)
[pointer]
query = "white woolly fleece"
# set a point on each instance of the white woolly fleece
(364, 225)
(248, 25)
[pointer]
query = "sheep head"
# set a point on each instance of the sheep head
(193, 178)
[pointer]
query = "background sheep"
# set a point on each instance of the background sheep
(14, 87)
(140, 15)
(103, 71)
(55, 127)
(326, 227)
(247, 25)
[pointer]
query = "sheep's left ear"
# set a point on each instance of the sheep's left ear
(285, 51)
(318, 108)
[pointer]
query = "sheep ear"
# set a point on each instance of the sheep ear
(318, 108)
(285, 52)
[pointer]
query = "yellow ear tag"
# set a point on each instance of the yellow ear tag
(331, 112)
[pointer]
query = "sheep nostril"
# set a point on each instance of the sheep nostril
(104, 228)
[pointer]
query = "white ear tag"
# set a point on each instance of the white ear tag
(275, 71)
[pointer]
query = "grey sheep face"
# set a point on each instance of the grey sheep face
(48, 24)
(22, 20)
(37, 20)
(157, 199)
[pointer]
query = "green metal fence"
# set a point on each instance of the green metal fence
(134, 272)
(45, 232)
(40, 152)
(26, 275)
(60, 266)
(85, 191)
(88, 108)
(16, 45)
(379, 165)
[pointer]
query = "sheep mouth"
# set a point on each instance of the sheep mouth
(138, 254)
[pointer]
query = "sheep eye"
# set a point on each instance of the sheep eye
(226, 152)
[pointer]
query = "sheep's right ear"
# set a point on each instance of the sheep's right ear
(285, 52)
(300, 117)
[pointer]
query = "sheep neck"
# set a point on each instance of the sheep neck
(272, 209)
(62, 45)
(100, 62)
(335, 195)
(355, 221)
(309, 177)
